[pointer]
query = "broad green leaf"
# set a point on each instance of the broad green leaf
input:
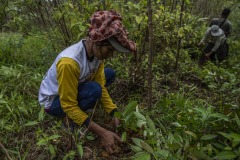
(130, 107)
(117, 114)
(219, 145)
(227, 148)
(181, 32)
(138, 19)
(220, 116)
(225, 155)
(129, 117)
(52, 150)
(137, 142)
(75, 24)
(198, 154)
(225, 135)
(147, 147)
(187, 1)
(8, 127)
(208, 137)
(69, 155)
(2, 101)
(135, 148)
(80, 150)
(42, 142)
(191, 134)
(142, 156)
(176, 124)
(235, 136)
(150, 124)
(141, 123)
(137, 6)
(139, 115)
(82, 28)
(41, 114)
(237, 120)
(55, 136)
(235, 142)
(91, 138)
(124, 136)
(163, 153)
(32, 123)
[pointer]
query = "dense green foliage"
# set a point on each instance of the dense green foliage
(195, 113)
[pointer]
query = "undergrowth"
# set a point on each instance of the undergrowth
(195, 113)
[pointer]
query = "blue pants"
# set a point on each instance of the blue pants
(88, 94)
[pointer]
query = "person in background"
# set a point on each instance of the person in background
(215, 41)
(224, 24)
(77, 79)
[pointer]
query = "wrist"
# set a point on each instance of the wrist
(96, 129)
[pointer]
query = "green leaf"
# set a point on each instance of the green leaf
(225, 135)
(32, 123)
(130, 107)
(117, 115)
(52, 150)
(124, 136)
(42, 142)
(163, 153)
(147, 147)
(201, 110)
(128, 117)
(150, 124)
(52, 137)
(208, 137)
(225, 155)
(220, 116)
(181, 32)
(199, 154)
(142, 156)
(41, 114)
(237, 120)
(235, 136)
(176, 124)
(91, 138)
(187, 2)
(137, 142)
(135, 148)
(80, 150)
(191, 134)
(138, 19)
(139, 116)
(235, 142)
(219, 145)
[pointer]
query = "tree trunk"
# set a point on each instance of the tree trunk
(180, 38)
(150, 55)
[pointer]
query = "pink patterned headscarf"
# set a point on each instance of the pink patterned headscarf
(105, 24)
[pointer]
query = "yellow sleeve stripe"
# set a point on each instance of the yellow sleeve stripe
(68, 72)
(106, 101)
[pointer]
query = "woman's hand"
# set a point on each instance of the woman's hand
(207, 55)
(107, 137)
(108, 141)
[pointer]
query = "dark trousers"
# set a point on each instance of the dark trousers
(221, 53)
(88, 94)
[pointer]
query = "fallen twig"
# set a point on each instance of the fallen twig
(5, 151)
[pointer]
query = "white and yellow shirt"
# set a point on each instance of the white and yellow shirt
(71, 68)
